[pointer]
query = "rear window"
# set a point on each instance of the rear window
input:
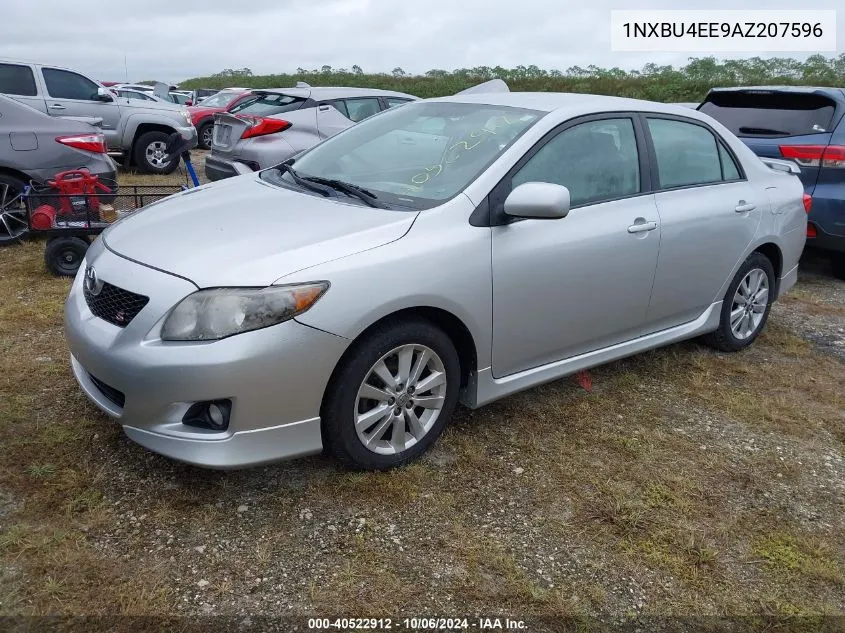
(17, 80)
(771, 114)
(268, 104)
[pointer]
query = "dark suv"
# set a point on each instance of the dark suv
(805, 125)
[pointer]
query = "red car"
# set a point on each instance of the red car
(202, 115)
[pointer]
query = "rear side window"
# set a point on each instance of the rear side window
(268, 104)
(687, 154)
(360, 109)
(729, 169)
(392, 102)
(17, 80)
(771, 114)
(63, 84)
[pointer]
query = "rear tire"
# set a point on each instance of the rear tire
(837, 264)
(151, 154)
(14, 224)
(204, 133)
(403, 419)
(64, 255)
(746, 305)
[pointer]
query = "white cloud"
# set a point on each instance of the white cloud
(172, 40)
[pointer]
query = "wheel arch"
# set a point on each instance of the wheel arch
(14, 173)
(451, 325)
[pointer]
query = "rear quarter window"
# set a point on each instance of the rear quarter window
(17, 80)
(771, 114)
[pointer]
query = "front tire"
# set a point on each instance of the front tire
(746, 306)
(392, 396)
(151, 154)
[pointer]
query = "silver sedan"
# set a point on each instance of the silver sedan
(455, 249)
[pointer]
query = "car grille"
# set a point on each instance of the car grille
(113, 395)
(115, 305)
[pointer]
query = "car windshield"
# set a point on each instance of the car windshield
(418, 155)
(268, 104)
(220, 100)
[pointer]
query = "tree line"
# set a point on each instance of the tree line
(689, 82)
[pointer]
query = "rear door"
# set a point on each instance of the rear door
(18, 82)
(709, 213)
(779, 124)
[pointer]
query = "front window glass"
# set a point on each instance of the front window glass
(596, 161)
(418, 155)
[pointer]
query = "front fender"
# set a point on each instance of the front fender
(442, 262)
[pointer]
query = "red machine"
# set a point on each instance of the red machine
(77, 190)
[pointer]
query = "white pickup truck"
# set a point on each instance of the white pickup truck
(136, 130)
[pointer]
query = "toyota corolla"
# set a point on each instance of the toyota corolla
(451, 250)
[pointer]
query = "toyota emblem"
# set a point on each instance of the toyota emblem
(92, 284)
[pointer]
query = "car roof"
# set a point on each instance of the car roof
(568, 102)
(828, 91)
(320, 93)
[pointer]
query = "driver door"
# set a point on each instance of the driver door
(573, 285)
(71, 94)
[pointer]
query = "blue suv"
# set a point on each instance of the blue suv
(805, 125)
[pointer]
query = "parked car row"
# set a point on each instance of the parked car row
(135, 130)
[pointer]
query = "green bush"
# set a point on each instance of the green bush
(657, 83)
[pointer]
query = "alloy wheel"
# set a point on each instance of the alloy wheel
(749, 303)
(157, 156)
(207, 135)
(400, 399)
(13, 222)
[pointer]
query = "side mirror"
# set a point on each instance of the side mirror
(189, 103)
(103, 95)
(540, 200)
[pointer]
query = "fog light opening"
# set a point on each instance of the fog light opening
(212, 415)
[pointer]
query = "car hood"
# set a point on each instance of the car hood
(245, 232)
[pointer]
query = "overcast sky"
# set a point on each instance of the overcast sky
(173, 40)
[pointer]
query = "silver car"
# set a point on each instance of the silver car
(273, 125)
(35, 147)
(454, 249)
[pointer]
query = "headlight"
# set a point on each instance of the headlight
(187, 115)
(209, 315)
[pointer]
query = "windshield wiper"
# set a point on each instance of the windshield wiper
(348, 188)
(304, 182)
(762, 130)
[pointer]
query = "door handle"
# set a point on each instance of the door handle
(57, 106)
(642, 227)
(744, 207)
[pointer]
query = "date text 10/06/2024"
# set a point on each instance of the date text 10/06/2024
(417, 624)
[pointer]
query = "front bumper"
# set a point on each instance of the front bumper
(189, 133)
(275, 377)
